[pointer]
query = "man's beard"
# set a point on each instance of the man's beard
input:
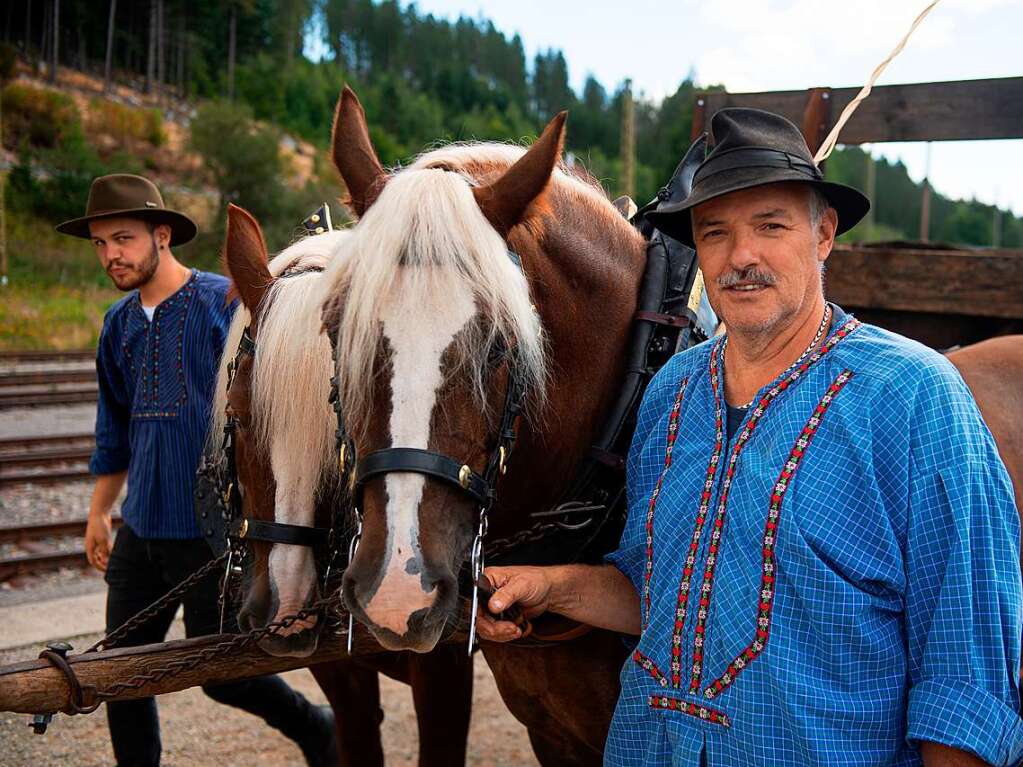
(137, 275)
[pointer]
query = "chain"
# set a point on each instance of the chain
(498, 546)
(237, 642)
(148, 613)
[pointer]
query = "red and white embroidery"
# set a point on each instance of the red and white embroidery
(767, 578)
(693, 709)
(701, 516)
(717, 529)
(650, 667)
(672, 435)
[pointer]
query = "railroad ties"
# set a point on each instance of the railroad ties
(52, 383)
(31, 379)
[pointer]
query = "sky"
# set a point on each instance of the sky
(760, 45)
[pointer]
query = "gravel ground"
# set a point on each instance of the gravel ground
(198, 732)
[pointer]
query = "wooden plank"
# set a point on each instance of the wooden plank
(36, 687)
(983, 283)
(947, 111)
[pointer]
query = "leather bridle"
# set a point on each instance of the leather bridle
(481, 488)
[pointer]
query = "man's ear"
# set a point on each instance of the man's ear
(826, 232)
(162, 235)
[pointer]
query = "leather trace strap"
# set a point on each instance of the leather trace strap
(247, 529)
(412, 459)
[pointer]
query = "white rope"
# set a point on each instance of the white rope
(829, 143)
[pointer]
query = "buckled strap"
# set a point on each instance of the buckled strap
(279, 532)
(659, 318)
(755, 157)
(412, 459)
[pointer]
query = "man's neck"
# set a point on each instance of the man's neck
(170, 275)
(754, 360)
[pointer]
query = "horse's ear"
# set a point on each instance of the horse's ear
(505, 201)
(354, 156)
(245, 258)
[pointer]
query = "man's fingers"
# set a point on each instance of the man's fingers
(496, 631)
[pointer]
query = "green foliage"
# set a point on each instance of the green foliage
(124, 123)
(38, 117)
(8, 62)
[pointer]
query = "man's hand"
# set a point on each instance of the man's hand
(98, 538)
(528, 587)
(98, 541)
(598, 595)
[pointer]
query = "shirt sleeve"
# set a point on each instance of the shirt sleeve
(630, 556)
(113, 411)
(963, 598)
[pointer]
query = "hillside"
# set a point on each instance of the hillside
(224, 106)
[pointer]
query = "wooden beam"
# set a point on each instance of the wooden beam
(36, 687)
(981, 283)
(948, 111)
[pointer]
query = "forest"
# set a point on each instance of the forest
(242, 66)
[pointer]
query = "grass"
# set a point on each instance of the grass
(52, 316)
(57, 293)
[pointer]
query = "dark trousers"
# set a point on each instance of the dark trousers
(139, 572)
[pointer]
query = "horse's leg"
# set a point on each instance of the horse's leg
(565, 694)
(354, 694)
(442, 692)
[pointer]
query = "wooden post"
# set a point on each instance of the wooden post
(925, 200)
(36, 687)
(628, 150)
(871, 189)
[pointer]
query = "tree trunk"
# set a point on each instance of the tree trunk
(28, 24)
(180, 75)
(55, 41)
(161, 49)
(232, 34)
(151, 53)
(110, 46)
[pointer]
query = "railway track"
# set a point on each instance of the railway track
(47, 459)
(63, 382)
(37, 560)
(47, 355)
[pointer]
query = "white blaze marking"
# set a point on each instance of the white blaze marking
(292, 568)
(418, 336)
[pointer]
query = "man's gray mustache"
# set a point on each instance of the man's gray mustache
(733, 278)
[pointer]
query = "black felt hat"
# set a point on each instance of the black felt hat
(122, 194)
(751, 148)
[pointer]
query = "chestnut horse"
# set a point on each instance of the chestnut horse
(476, 263)
(284, 471)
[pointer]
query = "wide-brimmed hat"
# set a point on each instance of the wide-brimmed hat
(751, 148)
(122, 194)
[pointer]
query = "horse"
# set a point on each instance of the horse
(271, 394)
(479, 266)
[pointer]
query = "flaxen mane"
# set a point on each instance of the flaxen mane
(291, 418)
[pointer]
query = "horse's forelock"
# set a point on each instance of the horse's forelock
(427, 230)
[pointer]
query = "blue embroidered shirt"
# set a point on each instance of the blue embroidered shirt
(837, 582)
(155, 388)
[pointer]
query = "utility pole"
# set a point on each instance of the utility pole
(925, 201)
(628, 140)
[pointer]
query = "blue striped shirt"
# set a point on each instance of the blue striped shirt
(835, 582)
(156, 384)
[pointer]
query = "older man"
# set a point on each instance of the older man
(157, 364)
(821, 558)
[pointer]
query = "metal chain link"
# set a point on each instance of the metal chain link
(193, 659)
(146, 614)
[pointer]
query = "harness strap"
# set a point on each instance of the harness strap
(278, 532)
(413, 459)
